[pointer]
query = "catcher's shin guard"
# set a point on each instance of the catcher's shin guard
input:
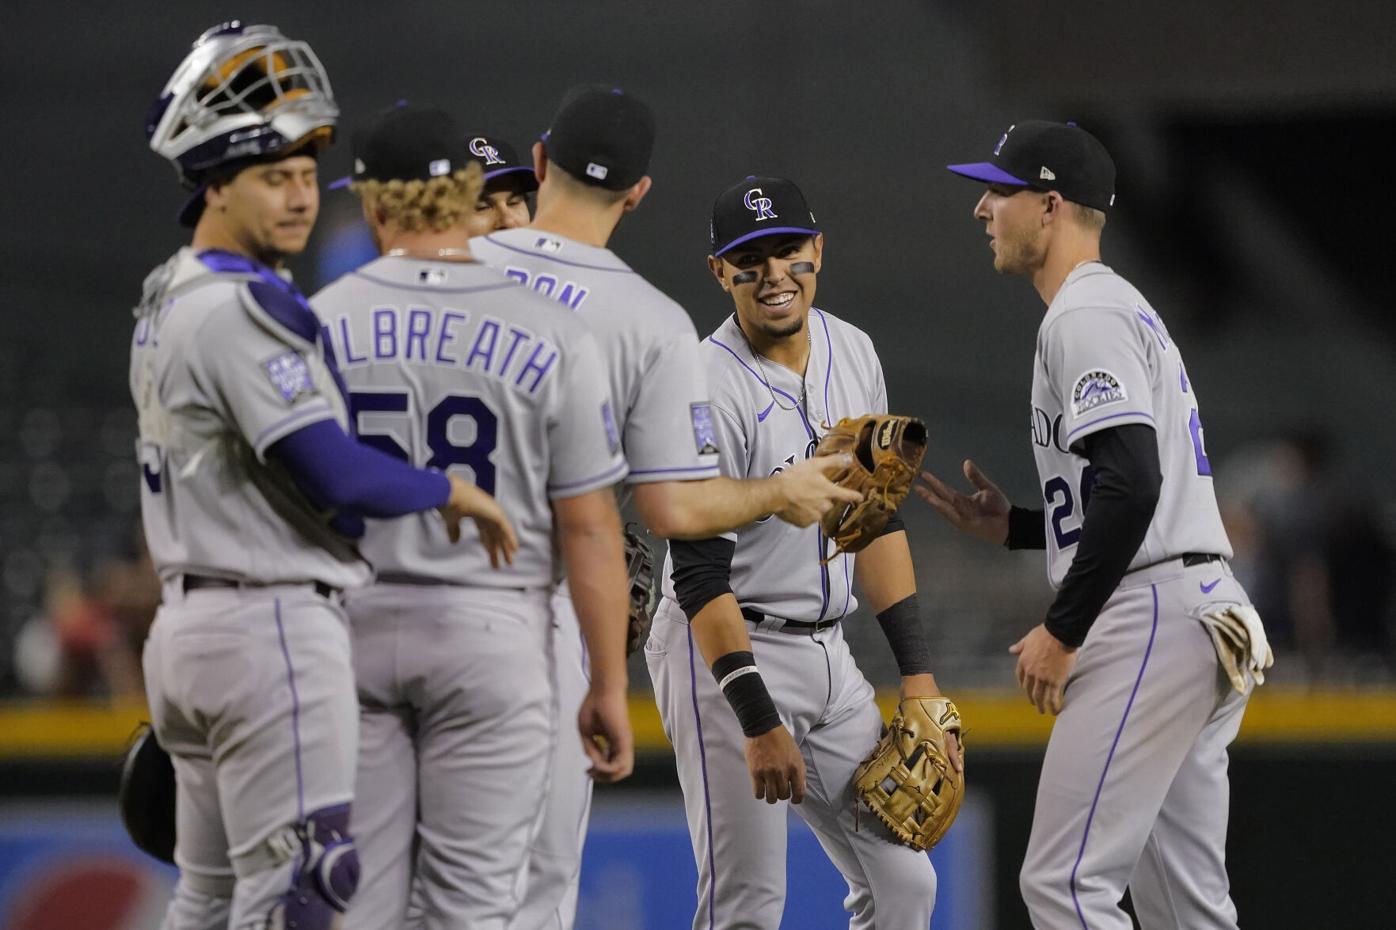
(326, 870)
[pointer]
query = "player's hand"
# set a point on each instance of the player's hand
(809, 494)
(496, 533)
(924, 686)
(983, 514)
(1044, 665)
(604, 723)
(776, 766)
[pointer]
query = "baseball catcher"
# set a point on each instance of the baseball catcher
(909, 781)
(886, 453)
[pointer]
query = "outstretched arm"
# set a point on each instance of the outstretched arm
(800, 495)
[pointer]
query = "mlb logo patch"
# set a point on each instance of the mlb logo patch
(704, 429)
(549, 245)
(608, 417)
(1096, 389)
(597, 171)
(290, 375)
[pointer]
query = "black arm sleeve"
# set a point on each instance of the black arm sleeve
(702, 571)
(1125, 492)
(894, 524)
(1027, 529)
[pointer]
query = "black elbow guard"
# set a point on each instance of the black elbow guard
(702, 571)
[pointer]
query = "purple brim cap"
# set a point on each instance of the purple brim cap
(762, 233)
(342, 182)
(987, 172)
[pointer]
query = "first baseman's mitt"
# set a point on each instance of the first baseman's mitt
(886, 452)
(908, 781)
(146, 796)
(644, 590)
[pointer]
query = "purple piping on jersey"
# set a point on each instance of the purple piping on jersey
(828, 364)
(1113, 416)
(1096, 800)
(707, 795)
(819, 534)
(427, 288)
(666, 471)
(295, 713)
(303, 417)
(752, 371)
(608, 476)
(554, 258)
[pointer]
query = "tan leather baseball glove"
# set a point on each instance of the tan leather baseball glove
(908, 781)
(886, 453)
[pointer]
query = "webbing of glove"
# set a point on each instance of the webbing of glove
(885, 454)
(908, 781)
(644, 589)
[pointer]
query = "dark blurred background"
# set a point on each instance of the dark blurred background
(1252, 211)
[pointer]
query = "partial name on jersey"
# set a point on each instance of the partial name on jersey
(704, 430)
(290, 375)
(432, 336)
(1096, 388)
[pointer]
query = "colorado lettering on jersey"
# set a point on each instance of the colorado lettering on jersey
(571, 294)
(427, 336)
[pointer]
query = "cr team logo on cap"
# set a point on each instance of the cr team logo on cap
(480, 146)
(761, 205)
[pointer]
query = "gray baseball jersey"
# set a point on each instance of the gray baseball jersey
(766, 418)
(1133, 787)
(646, 339)
(658, 387)
(225, 361)
(476, 374)
(250, 688)
(1104, 358)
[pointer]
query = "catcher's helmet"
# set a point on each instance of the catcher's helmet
(242, 93)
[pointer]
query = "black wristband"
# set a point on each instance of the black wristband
(1026, 529)
(741, 684)
(901, 624)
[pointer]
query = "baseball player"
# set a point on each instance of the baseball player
(503, 201)
(252, 493)
(592, 169)
(785, 713)
(452, 365)
(1134, 786)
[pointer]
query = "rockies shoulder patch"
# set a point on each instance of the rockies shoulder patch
(608, 417)
(290, 375)
(1096, 388)
(704, 430)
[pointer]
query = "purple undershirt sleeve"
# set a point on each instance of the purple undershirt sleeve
(337, 473)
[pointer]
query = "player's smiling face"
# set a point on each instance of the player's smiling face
(1013, 220)
(772, 282)
(499, 207)
(269, 210)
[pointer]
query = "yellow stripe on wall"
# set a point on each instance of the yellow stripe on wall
(992, 719)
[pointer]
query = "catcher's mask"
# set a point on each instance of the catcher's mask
(242, 94)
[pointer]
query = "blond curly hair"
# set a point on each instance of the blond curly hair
(436, 204)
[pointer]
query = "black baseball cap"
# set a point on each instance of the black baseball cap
(408, 142)
(601, 135)
(1048, 156)
(499, 160)
(757, 207)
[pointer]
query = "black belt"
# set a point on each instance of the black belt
(195, 582)
(756, 616)
(1199, 558)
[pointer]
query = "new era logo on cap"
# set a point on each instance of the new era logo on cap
(1081, 170)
